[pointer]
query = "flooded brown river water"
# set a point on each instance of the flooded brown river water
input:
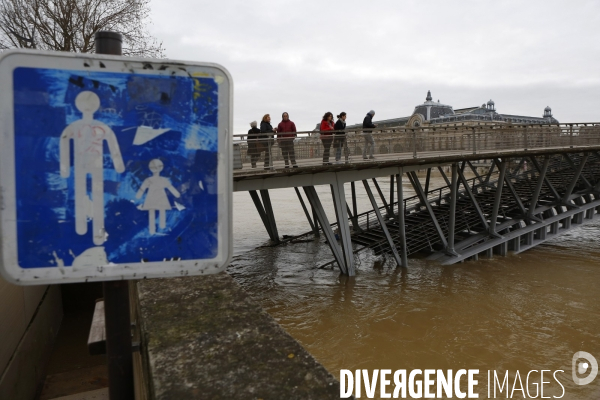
(523, 312)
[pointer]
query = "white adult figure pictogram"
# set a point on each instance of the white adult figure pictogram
(88, 137)
(156, 198)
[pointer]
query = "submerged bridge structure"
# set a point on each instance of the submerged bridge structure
(507, 188)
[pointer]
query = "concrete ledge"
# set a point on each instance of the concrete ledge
(204, 337)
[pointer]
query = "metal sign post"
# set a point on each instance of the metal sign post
(113, 168)
(117, 318)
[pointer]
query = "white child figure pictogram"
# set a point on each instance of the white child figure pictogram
(156, 198)
(88, 136)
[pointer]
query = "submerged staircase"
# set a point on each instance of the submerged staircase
(568, 196)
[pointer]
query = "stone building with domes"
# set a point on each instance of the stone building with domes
(435, 113)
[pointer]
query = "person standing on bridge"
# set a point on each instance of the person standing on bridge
(286, 133)
(254, 145)
(267, 138)
(369, 142)
(340, 138)
(326, 135)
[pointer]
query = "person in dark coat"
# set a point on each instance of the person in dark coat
(254, 145)
(339, 140)
(326, 136)
(367, 129)
(286, 133)
(268, 133)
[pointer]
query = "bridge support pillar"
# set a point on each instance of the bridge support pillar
(515, 195)
(572, 165)
(472, 198)
(497, 198)
(354, 205)
(475, 172)
(313, 198)
(538, 187)
(388, 208)
(529, 238)
(546, 180)
(541, 233)
(382, 224)
(341, 213)
(589, 214)
(310, 221)
(504, 249)
(353, 219)
(491, 171)
(265, 212)
(266, 199)
(414, 180)
(444, 176)
(401, 221)
(392, 194)
(427, 180)
(516, 245)
(452, 216)
(575, 178)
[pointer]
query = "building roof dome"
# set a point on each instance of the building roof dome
(547, 108)
(431, 109)
(491, 102)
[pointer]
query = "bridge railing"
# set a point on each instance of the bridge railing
(268, 151)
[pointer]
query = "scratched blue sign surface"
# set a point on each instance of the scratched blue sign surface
(114, 168)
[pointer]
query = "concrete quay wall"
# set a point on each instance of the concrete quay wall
(205, 338)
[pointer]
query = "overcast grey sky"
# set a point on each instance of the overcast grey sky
(308, 57)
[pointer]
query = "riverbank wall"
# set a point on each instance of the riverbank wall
(204, 337)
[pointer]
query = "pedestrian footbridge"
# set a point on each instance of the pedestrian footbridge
(507, 188)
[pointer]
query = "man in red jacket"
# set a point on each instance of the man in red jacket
(286, 133)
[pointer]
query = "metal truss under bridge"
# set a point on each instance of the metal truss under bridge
(508, 208)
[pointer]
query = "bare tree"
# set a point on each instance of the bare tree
(70, 25)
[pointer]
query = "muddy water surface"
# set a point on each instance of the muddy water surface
(524, 312)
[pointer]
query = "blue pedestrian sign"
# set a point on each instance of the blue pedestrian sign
(113, 167)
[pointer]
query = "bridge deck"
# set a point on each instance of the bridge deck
(420, 147)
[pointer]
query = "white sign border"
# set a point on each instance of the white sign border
(9, 268)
